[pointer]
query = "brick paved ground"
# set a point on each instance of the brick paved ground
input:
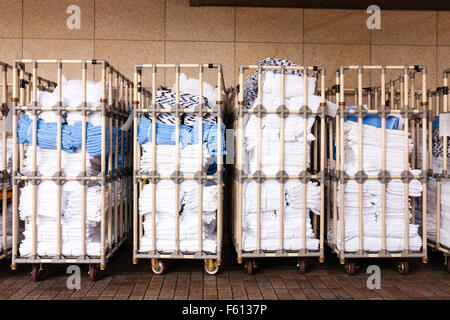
(274, 279)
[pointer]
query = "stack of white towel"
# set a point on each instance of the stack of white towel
(293, 218)
(9, 154)
(188, 206)
(70, 222)
(444, 212)
(165, 158)
(188, 209)
(71, 191)
(8, 234)
(71, 162)
(372, 196)
(437, 162)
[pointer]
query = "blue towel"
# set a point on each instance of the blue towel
(374, 120)
(165, 133)
(71, 136)
(435, 123)
(46, 134)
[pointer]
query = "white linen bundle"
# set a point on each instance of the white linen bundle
(71, 165)
(295, 152)
(71, 225)
(293, 218)
(188, 208)
(372, 194)
(165, 158)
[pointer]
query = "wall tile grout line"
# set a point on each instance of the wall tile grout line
(370, 55)
(229, 41)
(22, 30)
(94, 34)
(437, 49)
(234, 46)
(165, 38)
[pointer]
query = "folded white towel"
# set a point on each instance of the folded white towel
(70, 162)
(166, 155)
(293, 86)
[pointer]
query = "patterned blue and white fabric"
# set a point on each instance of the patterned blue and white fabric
(165, 99)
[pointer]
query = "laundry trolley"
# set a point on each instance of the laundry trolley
(71, 164)
(279, 172)
(438, 211)
(6, 149)
(378, 178)
(178, 181)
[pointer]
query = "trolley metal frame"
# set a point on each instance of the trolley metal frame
(144, 102)
(114, 103)
(442, 106)
(6, 194)
(316, 172)
(414, 117)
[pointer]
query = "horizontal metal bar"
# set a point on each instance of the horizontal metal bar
(441, 248)
(170, 177)
(176, 256)
(366, 254)
(5, 254)
(49, 61)
(379, 67)
(263, 254)
(160, 110)
(182, 65)
(51, 260)
(279, 67)
(288, 177)
(64, 260)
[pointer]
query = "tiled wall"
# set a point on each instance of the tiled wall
(158, 31)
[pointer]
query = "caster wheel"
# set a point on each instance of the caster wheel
(35, 272)
(93, 272)
(211, 267)
(403, 267)
(158, 266)
(302, 265)
(249, 266)
(350, 267)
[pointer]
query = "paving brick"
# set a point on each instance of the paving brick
(185, 280)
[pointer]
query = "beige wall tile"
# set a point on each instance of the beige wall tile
(269, 24)
(406, 27)
(443, 62)
(10, 49)
(406, 55)
(336, 26)
(123, 55)
(59, 49)
(11, 19)
(444, 28)
(333, 56)
(39, 22)
(201, 52)
(201, 24)
(129, 20)
(250, 53)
